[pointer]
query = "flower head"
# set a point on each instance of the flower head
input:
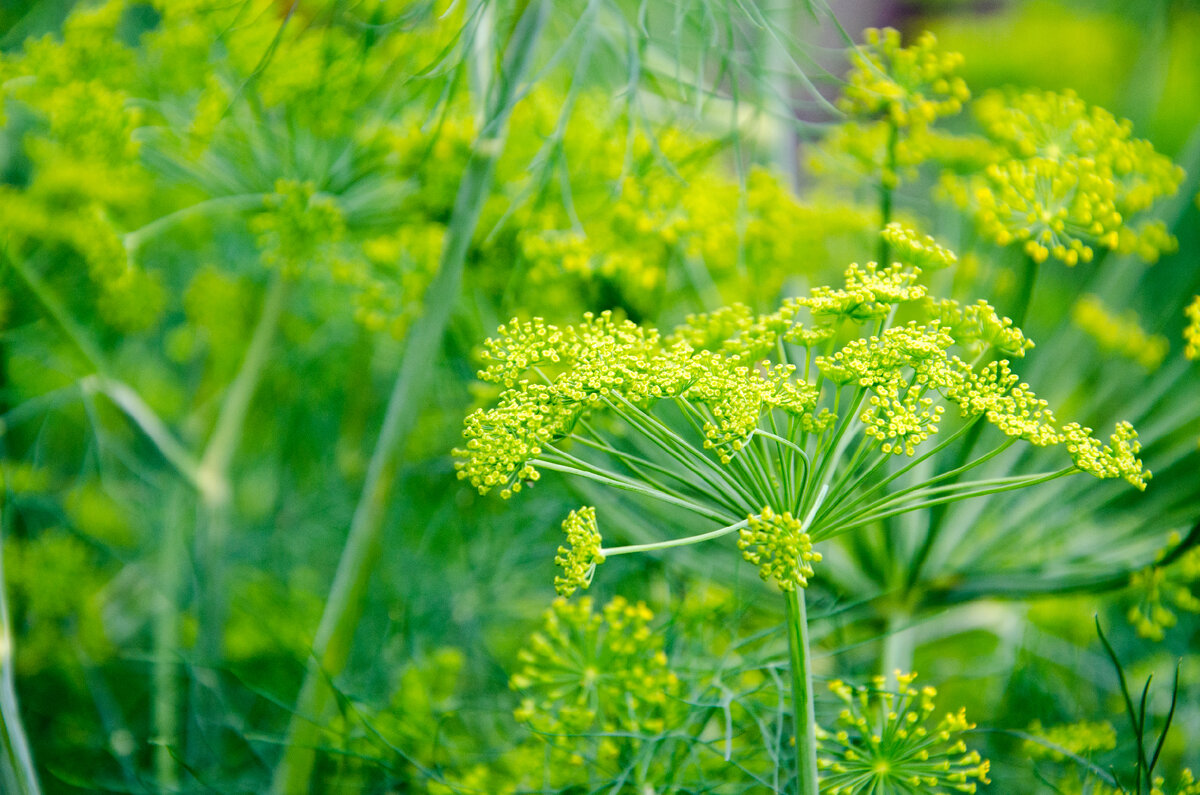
(778, 545)
(1121, 334)
(601, 670)
(908, 86)
(1073, 180)
(889, 742)
(1162, 589)
(1117, 459)
(581, 555)
(1191, 334)
(912, 248)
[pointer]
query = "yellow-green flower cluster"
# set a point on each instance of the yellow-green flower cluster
(1074, 180)
(642, 215)
(607, 365)
(1191, 333)
(391, 276)
(978, 328)
(1161, 590)
(138, 131)
(596, 670)
(893, 95)
(297, 227)
(1082, 739)
(581, 555)
(888, 742)
(907, 86)
(1117, 459)
(908, 246)
(778, 545)
(1188, 785)
(1120, 334)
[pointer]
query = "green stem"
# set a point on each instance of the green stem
(335, 634)
(172, 558)
(247, 201)
(899, 645)
(17, 773)
(213, 535)
(886, 191)
(1025, 295)
(611, 479)
(802, 694)
(57, 312)
(675, 542)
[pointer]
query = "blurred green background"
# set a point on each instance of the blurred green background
(236, 232)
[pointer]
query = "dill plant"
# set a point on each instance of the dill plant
(1041, 177)
(788, 428)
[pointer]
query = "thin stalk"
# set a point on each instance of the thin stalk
(862, 518)
(675, 542)
(635, 464)
(886, 190)
(172, 557)
(802, 693)
(630, 485)
(213, 484)
(247, 201)
(57, 312)
(335, 634)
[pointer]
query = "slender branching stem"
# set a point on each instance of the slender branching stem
(245, 201)
(675, 542)
(335, 634)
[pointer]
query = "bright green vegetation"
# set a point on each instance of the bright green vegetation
(598, 397)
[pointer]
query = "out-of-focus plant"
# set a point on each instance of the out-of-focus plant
(887, 742)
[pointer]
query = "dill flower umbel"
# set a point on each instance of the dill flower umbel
(892, 96)
(888, 743)
(747, 413)
(1073, 181)
(580, 558)
(1121, 334)
(1191, 334)
(781, 550)
(912, 248)
(1188, 785)
(601, 670)
(1161, 589)
(908, 86)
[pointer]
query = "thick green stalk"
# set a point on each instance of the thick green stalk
(1024, 297)
(17, 773)
(802, 694)
(899, 645)
(335, 634)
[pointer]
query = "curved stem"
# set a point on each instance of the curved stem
(246, 201)
(802, 693)
(675, 542)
